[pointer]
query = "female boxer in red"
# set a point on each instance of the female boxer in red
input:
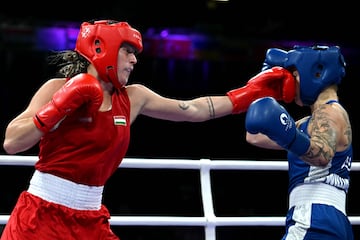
(82, 124)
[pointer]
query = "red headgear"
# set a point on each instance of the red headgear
(99, 43)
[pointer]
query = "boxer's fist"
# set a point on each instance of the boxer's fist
(79, 90)
(268, 117)
(276, 82)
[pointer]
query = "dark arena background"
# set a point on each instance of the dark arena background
(191, 48)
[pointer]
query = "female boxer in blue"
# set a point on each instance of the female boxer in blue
(319, 146)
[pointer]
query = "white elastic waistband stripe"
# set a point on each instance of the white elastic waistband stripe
(64, 192)
(318, 193)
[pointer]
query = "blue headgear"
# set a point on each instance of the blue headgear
(318, 66)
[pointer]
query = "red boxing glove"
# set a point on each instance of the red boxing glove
(276, 82)
(79, 90)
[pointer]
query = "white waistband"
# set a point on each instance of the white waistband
(64, 192)
(318, 193)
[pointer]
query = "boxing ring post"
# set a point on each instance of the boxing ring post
(209, 221)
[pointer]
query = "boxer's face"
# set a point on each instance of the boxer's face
(297, 95)
(125, 62)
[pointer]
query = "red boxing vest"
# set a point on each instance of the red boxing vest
(88, 153)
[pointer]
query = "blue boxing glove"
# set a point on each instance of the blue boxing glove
(275, 57)
(268, 117)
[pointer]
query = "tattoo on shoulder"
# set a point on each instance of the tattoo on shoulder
(323, 135)
(348, 130)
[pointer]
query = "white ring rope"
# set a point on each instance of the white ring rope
(17, 160)
(209, 221)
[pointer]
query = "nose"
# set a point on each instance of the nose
(133, 58)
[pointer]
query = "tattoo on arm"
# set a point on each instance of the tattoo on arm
(211, 107)
(322, 135)
(183, 105)
(348, 131)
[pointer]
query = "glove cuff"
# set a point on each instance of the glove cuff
(241, 99)
(48, 117)
(300, 144)
(40, 125)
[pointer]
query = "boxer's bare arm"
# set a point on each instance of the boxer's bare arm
(21, 133)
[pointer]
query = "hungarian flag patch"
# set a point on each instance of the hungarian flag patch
(120, 120)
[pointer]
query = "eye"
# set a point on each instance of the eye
(129, 49)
